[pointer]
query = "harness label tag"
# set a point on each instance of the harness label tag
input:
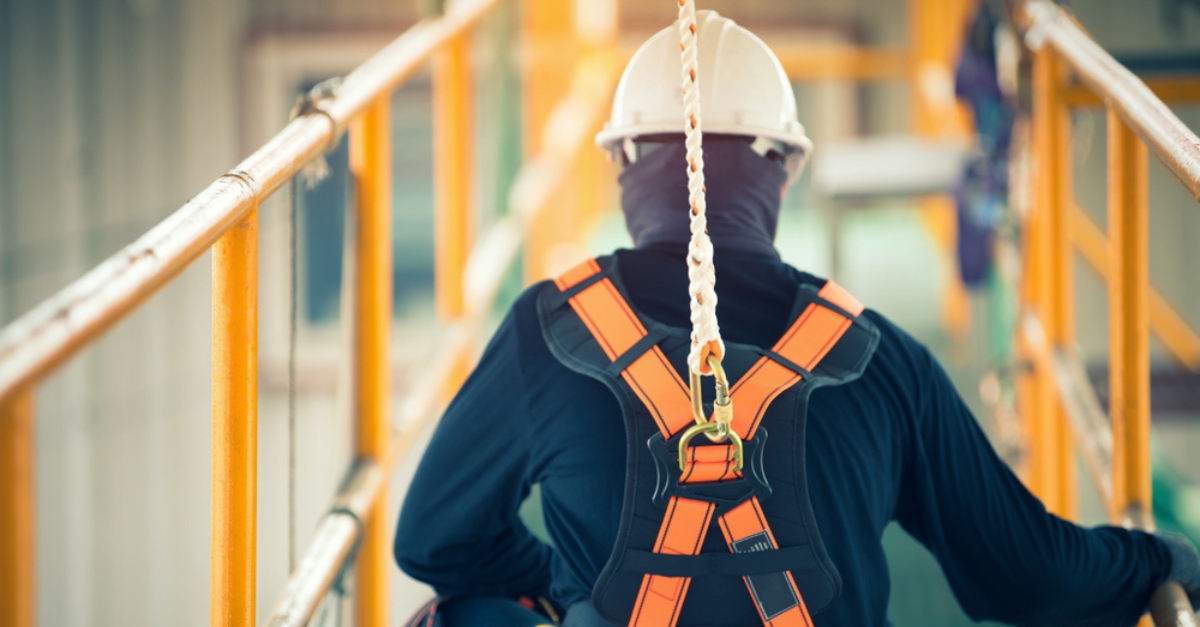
(772, 592)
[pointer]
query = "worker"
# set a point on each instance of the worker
(873, 432)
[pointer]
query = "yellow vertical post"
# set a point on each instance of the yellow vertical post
(370, 149)
(1129, 320)
(235, 424)
(452, 173)
(596, 23)
(18, 598)
(935, 29)
(1054, 469)
(548, 33)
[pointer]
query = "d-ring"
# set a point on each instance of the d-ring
(707, 428)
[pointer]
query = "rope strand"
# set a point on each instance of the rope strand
(706, 334)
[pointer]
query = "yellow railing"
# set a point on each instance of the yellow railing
(224, 217)
(1056, 398)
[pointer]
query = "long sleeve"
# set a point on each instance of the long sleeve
(1005, 557)
(459, 530)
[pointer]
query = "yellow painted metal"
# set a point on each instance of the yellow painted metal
(235, 424)
(1174, 89)
(1172, 330)
(1128, 313)
(552, 47)
(18, 599)
(1053, 475)
(452, 172)
(805, 62)
(935, 29)
(371, 163)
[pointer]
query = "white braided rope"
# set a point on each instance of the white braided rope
(701, 277)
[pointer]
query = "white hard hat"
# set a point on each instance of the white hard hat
(743, 90)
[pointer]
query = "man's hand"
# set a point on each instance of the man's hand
(1185, 564)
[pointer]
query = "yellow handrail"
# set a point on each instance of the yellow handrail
(50, 333)
(225, 214)
(1062, 396)
(1167, 137)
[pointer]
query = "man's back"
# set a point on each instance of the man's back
(897, 443)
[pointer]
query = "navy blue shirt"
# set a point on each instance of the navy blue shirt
(896, 444)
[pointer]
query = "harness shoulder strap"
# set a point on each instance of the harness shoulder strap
(617, 329)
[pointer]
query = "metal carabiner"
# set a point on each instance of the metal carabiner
(718, 429)
(722, 405)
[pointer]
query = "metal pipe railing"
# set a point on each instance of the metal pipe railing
(235, 424)
(1167, 137)
(225, 215)
(371, 163)
(47, 335)
(18, 567)
(1117, 447)
(1171, 328)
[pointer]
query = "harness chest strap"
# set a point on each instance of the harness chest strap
(617, 329)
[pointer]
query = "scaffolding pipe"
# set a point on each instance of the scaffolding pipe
(18, 511)
(47, 335)
(235, 425)
(1180, 339)
(1169, 138)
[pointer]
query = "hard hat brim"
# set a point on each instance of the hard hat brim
(610, 139)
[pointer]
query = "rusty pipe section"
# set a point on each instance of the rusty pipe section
(1088, 419)
(1168, 138)
(51, 332)
(336, 539)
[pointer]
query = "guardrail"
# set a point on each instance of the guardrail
(223, 217)
(1056, 396)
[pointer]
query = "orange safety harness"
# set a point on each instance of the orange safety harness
(710, 481)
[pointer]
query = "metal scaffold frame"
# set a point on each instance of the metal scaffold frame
(1058, 403)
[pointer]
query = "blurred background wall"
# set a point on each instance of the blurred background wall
(113, 112)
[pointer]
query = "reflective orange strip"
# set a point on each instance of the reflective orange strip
(610, 320)
(575, 275)
(709, 463)
(755, 391)
(805, 343)
(617, 328)
(744, 522)
(659, 387)
(817, 330)
(682, 533)
(838, 295)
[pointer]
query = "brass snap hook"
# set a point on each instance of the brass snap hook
(718, 429)
(722, 405)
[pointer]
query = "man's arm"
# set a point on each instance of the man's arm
(1005, 557)
(458, 529)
